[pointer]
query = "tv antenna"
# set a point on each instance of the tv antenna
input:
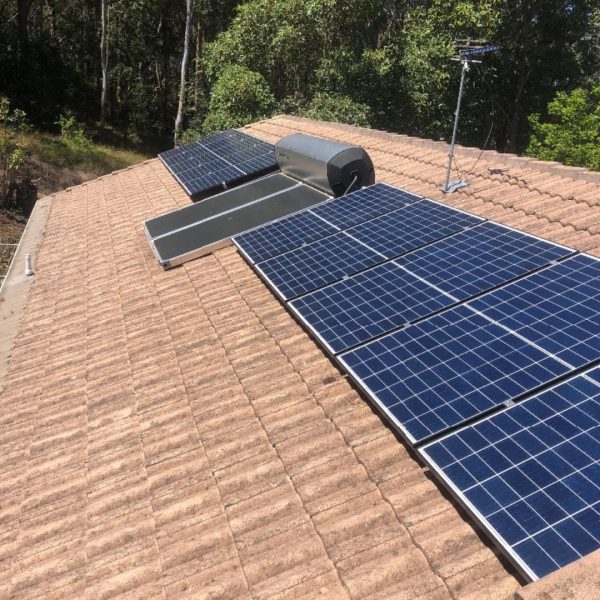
(468, 50)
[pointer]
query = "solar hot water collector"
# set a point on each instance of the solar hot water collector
(312, 170)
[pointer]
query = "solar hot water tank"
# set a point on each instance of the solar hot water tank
(331, 167)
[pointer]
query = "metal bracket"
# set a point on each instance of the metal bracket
(452, 186)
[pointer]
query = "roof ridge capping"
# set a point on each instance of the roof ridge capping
(555, 168)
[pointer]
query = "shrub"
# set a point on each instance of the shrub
(572, 133)
(12, 125)
(73, 132)
(335, 107)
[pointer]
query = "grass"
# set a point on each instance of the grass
(54, 163)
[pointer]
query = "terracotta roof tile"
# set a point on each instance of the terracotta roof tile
(177, 434)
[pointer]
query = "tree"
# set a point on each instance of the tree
(184, 66)
(572, 133)
(104, 24)
(240, 96)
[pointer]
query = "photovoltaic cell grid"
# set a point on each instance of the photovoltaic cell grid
(480, 259)
(293, 232)
(364, 204)
(380, 300)
(367, 305)
(342, 254)
(222, 158)
(280, 236)
(459, 364)
(531, 474)
(411, 227)
(557, 308)
(448, 369)
(317, 264)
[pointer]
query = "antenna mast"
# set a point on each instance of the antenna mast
(467, 51)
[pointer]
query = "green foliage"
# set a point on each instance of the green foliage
(13, 123)
(73, 132)
(335, 107)
(240, 96)
(572, 134)
(382, 62)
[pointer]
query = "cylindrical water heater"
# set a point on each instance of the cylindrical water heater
(329, 166)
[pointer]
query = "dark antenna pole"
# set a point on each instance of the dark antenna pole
(467, 50)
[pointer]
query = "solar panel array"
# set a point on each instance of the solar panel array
(531, 474)
(444, 321)
(218, 161)
(329, 217)
(371, 242)
(422, 283)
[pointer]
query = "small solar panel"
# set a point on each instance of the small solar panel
(557, 308)
(323, 220)
(448, 369)
(218, 161)
(531, 474)
(367, 305)
(411, 227)
(316, 265)
(364, 204)
(480, 259)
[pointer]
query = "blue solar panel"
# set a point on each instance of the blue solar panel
(364, 204)
(531, 474)
(457, 365)
(412, 227)
(316, 265)
(323, 220)
(366, 305)
(480, 259)
(224, 158)
(557, 308)
(281, 236)
(382, 299)
(453, 367)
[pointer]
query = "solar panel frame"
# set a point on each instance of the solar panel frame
(188, 163)
(507, 463)
(334, 215)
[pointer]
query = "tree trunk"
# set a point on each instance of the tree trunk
(197, 64)
(104, 58)
(51, 18)
(22, 18)
(184, 64)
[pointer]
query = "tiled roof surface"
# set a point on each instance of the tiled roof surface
(177, 434)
